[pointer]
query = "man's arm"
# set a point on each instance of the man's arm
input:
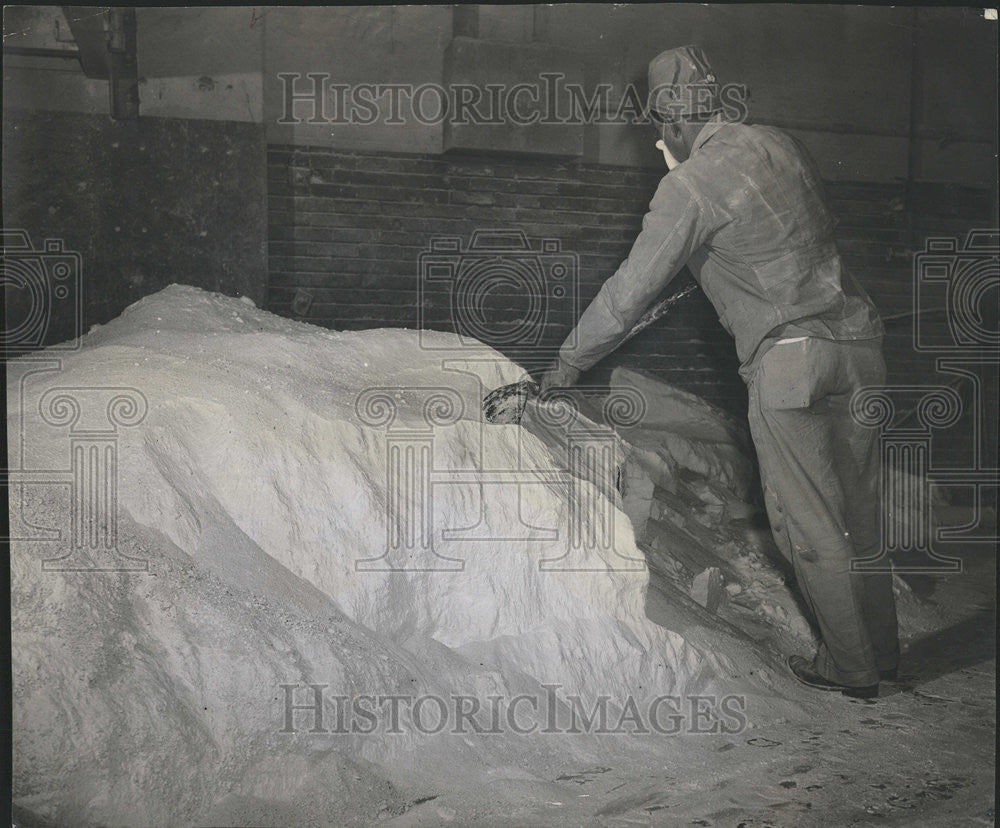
(675, 227)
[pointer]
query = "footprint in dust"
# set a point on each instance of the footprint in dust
(934, 789)
(943, 788)
(902, 802)
(881, 724)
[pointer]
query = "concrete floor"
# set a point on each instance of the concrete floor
(922, 754)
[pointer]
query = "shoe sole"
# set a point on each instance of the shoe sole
(831, 688)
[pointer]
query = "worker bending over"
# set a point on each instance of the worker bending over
(743, 208)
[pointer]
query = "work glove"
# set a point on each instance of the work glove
(559, 375)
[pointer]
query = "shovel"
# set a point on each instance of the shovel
(505, 405)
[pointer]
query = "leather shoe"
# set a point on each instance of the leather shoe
(803, 671)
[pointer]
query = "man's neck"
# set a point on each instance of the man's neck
(690, 130)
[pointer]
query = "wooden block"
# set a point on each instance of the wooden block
(707, 589)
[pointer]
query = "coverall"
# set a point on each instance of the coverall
(746, 213)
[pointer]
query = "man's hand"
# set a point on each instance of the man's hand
(559, 375)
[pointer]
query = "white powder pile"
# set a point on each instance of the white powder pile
(253, 485)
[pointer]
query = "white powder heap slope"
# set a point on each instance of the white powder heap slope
(252, 480)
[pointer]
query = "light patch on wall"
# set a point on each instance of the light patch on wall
(229, 97)
(39, 27)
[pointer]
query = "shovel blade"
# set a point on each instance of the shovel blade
(505, 405)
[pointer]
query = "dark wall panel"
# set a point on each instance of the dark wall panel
(145, 204)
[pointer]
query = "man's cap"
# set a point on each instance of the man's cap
(682, 84)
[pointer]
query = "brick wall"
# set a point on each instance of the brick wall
(349, 227)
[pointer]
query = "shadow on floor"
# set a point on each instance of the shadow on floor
(964, 644)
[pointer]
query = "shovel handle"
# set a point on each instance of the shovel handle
(658, 310)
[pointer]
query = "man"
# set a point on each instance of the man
(742, 206)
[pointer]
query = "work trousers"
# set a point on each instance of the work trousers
(820, 474)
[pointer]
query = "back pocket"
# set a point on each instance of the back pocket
(788, 376)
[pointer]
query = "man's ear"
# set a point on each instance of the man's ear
(670, 131)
